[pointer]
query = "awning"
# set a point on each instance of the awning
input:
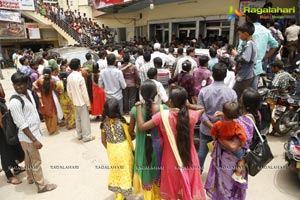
(125, 6)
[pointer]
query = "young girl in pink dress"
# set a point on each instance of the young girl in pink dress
(178, 182)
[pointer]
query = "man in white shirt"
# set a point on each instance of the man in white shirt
(27, 120)
(156, 53)
(140, 59)
(102, 61)
(171, 58)
(161, 96)
(77, 92)
(291, 34)
(190, 53)
(45, 55)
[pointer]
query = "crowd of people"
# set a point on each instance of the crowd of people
(98, 34)
(162, 96)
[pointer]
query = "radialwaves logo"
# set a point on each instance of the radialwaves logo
(233, 13)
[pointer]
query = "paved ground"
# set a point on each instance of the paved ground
(79, 169)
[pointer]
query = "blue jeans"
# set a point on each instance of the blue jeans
(255, 82)
(203, 150)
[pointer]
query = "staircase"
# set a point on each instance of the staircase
(61, 27)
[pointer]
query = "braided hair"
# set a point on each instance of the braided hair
(47, 80)
(178, 96)
(148, 92)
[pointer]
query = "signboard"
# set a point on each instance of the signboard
(17, 4)
(106, 3)
(12, 30)
(251, 3)
(9, 16)
(34, 31)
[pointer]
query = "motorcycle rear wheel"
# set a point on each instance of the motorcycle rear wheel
(281, 124)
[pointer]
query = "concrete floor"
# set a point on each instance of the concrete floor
(79, 169)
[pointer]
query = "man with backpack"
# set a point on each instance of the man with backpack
(27, 121)
(11, 154)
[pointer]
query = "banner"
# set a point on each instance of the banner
(106, 3)
(17, 4)
(34, 31)
(12, 30)
(9, 16)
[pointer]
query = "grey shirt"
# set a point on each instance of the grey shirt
(247, 61)
(212, 98)
(112, 80)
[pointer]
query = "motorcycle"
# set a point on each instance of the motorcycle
(264, 110)
(292, 152)
(286, 114)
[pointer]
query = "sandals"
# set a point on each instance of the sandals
(47, 188)
(19, 170)
(13, 180)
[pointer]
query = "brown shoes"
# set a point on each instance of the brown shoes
(47, 188)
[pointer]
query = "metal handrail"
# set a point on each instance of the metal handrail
(84, 40)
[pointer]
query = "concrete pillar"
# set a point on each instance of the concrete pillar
(170, 32)
(197, 28)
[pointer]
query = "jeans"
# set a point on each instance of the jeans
(255, 82)
(203, 150)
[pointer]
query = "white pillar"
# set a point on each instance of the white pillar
(197, 28)
(231, 31)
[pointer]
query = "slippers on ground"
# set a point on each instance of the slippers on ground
(47, 188)
(14, 181)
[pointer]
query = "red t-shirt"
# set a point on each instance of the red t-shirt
(226, 130)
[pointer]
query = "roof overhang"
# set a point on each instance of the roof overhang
(132, 5)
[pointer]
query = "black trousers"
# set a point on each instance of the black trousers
(129, 98)
(9, 155)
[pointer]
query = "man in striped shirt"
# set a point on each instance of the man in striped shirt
(28, 121)
(163, 75)
(146, 66)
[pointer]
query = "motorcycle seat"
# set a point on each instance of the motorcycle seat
(263, 91)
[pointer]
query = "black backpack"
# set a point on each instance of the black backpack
(10, 129)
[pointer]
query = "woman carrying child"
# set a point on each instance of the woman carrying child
(223, 163)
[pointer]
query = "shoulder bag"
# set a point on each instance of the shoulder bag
(259, 154)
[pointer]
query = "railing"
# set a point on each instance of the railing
(83, 40)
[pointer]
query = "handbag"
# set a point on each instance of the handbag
(259, 154)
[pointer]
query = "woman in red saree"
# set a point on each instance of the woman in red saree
(96, 93)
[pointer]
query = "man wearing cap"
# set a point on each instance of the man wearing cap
(156, 53)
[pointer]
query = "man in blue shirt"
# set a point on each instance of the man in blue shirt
(112, 80)
(212, 98)
(263, 38)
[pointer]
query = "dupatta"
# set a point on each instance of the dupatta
(187, 194)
